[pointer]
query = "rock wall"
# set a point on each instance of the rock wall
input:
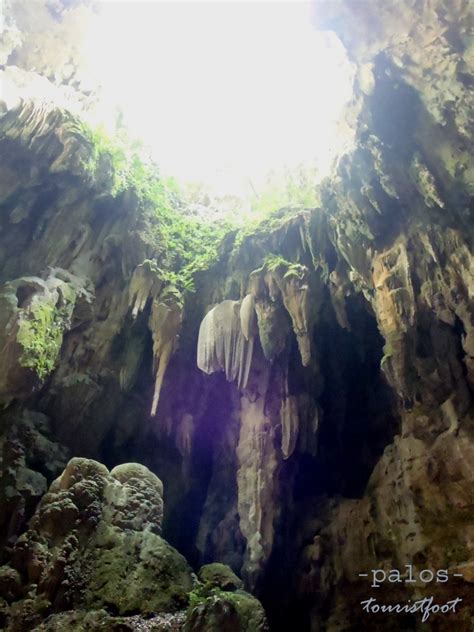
(308, 408)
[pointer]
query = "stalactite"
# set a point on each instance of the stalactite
(165, 325)
(222, 342)
(248, 317)
(146, 283)
(256, 480)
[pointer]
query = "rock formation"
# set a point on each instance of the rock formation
(225, 340)
(93, 545)
(311, 401)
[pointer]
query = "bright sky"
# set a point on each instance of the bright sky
(223, 91)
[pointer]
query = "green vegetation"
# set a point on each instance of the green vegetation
(214, 609)
(220, 575)
(267, 223)
(287, 188)
(202, 593)
(41, 337)
(184, 242)
(276, 263)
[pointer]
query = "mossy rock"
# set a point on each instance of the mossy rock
(214, 610)
(220, 576)
(137, 572)
(41, 336)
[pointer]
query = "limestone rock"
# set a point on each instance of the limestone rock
(34, 315)
(248, 317)
(26, 446)
(92, 620)
(145, 285)
(301, 475)
(290, 425)
(294, 291)
(220, 576)
(256, 480)
(165, 325)
(222, 342)
(235, 612)
(93, 557)
(93, 542)
(289, 283)
(273, 328)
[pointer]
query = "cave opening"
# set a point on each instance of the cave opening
(236, 347)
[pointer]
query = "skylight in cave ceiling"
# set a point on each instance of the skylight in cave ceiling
(223, 92)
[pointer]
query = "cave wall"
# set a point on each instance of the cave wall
(349, 444)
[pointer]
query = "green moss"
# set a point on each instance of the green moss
(456, 552)
(41, 334)
(251, 613)
(220, 576)
(212, 610)
(265, 223)
(137, 571)
(76, 379)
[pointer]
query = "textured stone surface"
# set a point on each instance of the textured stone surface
(344, 440)
(34, 315)
(93, 542)
(93, 552)
(29, 460)
(232, 612)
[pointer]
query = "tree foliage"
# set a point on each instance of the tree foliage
(185, 221)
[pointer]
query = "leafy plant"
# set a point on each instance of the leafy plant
(40, 336)
(186, 243)
(276, 263)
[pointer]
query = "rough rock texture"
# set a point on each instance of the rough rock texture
(29, 460)
(93, 542)
(34, 314)
(93, 546)
(229, 612)
(72, 288)
(343, 440)
(221, 604)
